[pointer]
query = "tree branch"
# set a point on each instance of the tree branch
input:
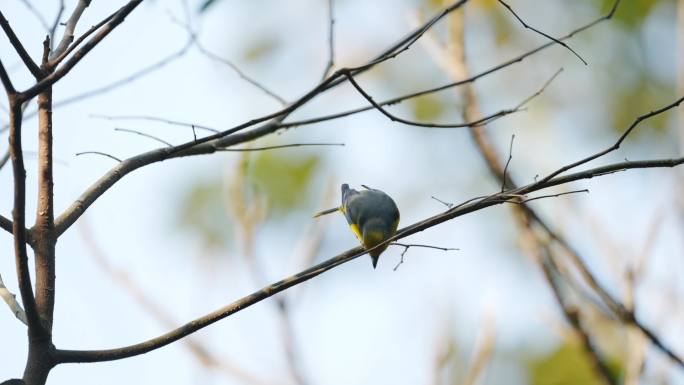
(70, 29)
(540, 32)
(6, 81)
(11, 301)
(617, 144)
(16, 43)
(331, 40)
(19, 221)
(6, 224)
(211, 143)
(72, 356)
(64, 69)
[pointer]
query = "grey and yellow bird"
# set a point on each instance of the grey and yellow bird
(372, 215)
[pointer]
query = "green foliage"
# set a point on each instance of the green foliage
(631, 13)
(202, 211)
(567, 365)
(283, 180)
(639, 98)
(427, 107)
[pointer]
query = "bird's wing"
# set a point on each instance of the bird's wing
(349, 195)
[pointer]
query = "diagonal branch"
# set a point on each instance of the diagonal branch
(73, 356)
(70, 29)
(394, 118)
(56, 58)
(19, 221)
(11, 301)
(211, 143)
(617, 144)
(21, 51)
(6, 81)
(541, 32)
(6, 224)
(81, 53)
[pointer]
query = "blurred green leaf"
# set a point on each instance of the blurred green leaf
(630, 13)
(427, 107)
(283, 179)
(567, 365)
(643, 96)
(261, 48)
(203, 213)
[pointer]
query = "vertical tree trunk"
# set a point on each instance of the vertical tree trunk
(40, 358)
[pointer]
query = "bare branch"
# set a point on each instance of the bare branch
(128, 79)
(99, 153)
(6, 224)
(6, 81)
(11, 301)
(16, 43)
(37, 14)
(408, 246)
(82, 52)
(278, 146)
(65, 356)
(555, 195)
(55, 58)
(505, 170)
(331, 40)
(55, 23)
(70, 29)
(617, 144)
(155, 119)
(145, 135)
(210, 144)
(394, 118)
(157, 311)
(540, 32)
(239, 72)
(19, 221)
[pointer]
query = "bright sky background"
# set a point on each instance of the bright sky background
(353, 325)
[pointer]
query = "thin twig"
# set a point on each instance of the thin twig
(65, 68)
(99, 153)
(505, 170)
(394, 118)
(617, 144)
(37, 14)
(277, 147)
(194, 39)
(407, 246)
(55, 23)
(331, 40)
(239, 72)
(541, 33)
(447, 204)
(155, 119)
(125, 80)
(144, 134)
(160, 314)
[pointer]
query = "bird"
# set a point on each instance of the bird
(372, 216)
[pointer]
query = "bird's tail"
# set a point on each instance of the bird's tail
(326, 212)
